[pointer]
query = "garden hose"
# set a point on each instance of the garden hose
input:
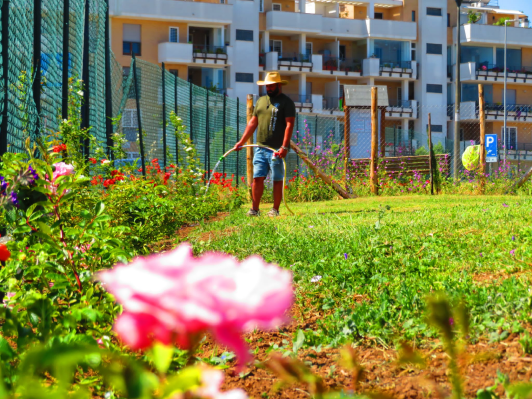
(251, 145)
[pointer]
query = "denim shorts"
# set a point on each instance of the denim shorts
(263, 163)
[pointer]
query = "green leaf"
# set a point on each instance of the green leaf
(298, 343)
(161, 356)
(99, 208)
(186, 380)
(44, 228)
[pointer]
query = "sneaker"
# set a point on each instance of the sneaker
(273, 213)
(253, 212)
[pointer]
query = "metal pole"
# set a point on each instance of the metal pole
(108, 88)
(85, 108)
(139, 119)
(504, 94)
(457, 99)
(237, 138)
(207, 138)
(297, 138)
(190, 111)
(175, 110)
(5, 65)
(163, 69)
(66, 57)
(37, 60)
(223, 143)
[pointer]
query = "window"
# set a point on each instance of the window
(399, 95)
(276, 7)
(379, 15)
(511, 137)
(431, 88)
(276, 45)
(174, 35)
(308, 49)
(434, 49)
(174, 72)
(435, 12)
(435, 128)
(448, 20)
(413, 16)
(261, 6)
(244, 35)
(342, 51)
(131, 39)
(244, 77)
(413, 51)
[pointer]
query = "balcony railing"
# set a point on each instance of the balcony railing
(203, 49)
(395, 64)
(341, 64)
(515, 110)
(332, 103)
(299, 98)
(294, 57)
(400, 103)
(520, 69)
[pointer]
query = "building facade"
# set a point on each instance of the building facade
(320, 46)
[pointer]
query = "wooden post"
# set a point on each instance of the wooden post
(347, 146)
(249, 150)
(482, 115)
(383, 133)
(431, 170)
(374, 142)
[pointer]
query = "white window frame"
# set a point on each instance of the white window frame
(277, 4)
(170, 34)
(508, 141)
(272, 45)
(311, 48)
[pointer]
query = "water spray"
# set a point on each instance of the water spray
(244, 146)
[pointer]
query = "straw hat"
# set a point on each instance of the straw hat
(272, 78)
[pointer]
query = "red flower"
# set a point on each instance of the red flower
(59, 148)
(4, 253)
(109, 182)
(93, 160)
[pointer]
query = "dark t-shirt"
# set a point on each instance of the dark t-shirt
(272, 114)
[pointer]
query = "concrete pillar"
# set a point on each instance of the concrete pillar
(302, 85)
(302, 6)
(265, 44)
(404, 127)
(371, 10)
(405, 90)
(302, 43)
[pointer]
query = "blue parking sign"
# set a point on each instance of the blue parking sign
(491, 148)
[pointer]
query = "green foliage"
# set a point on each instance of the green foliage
(473, 17)
(502, 21)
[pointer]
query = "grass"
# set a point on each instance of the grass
(380, 258)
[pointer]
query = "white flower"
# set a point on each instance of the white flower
(188, 149)
(80, 93)
(81, 176)
(65, 121)
(105, 161)
(315, 279)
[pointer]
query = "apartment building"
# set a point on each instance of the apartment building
(320, 46)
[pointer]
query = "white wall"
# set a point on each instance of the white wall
(433, 67)
(245, 54)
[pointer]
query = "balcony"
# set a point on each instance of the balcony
(402, 109)
(186, 11)
(185, 53)
(399, 30)
(494, 35)
(344, 27)
(375, 67)
(303, 102)
(288, 62)
(494, 73)
(341, 67)
(293, 22)
(469, 111)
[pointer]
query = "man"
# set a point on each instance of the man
(274, 116)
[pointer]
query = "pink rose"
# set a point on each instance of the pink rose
(211, 381)
(62, 169)
(172, 296)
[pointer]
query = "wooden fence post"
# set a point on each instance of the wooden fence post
(482, 115)
(374, 142)
(249, 150)
(431, 171)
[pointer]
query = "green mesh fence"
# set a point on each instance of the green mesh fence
(76, 25)
(51, 65)
(22, 114)
(97, 15)
(170, 104)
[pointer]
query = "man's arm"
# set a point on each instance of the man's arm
(287, 137)
(250, 129)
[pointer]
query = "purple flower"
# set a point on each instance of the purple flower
(345, 256)
(3, 185)
(310, 227)
(480, 254)
(512, 252)
(513, 238)
(14, 199)
(451, 321)
(34, 176)
(505, 205)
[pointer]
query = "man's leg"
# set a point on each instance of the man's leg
(257, 190)
(277, 194)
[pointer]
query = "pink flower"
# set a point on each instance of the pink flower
(173, 296)
(211, 381)
(62, 169)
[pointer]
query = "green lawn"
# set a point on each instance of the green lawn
(379, 258)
